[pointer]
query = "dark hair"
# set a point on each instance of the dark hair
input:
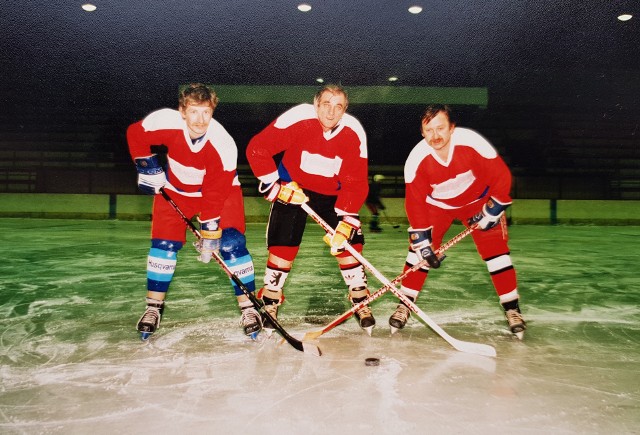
(432, 110)
(198, 93)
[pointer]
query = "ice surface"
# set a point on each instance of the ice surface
(71, 362)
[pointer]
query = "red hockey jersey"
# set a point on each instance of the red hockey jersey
(331, 163)
(206, 168)
(472, 173)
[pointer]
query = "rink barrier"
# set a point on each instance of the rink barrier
(138, 207)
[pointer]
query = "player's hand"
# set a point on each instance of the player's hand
(344, 232)
(289, 193)
(210, 242)
(421, 245)
(151, 176)
(490, 214)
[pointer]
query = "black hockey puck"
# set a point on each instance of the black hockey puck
(372, 361)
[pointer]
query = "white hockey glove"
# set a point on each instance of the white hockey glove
(151, 176)
(344, 232)
(289, 193)
(421, 245)
(490, 214)
(210, 242)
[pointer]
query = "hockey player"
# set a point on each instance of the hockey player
(194, 158)
(325, 159)
(455, 173)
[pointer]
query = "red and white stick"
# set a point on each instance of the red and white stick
(463, 346)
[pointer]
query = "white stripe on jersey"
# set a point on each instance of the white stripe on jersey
(224, 144)
(416, 156)
(351, 122)
(317, 164)
(295, 114)
(164, 119)
(453, 187)
(473, 139)
(306, 111)
(186, 174)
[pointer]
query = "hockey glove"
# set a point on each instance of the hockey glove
(151, 176)
(421, 245)
(210, 242)
(289, 193)
(490, 214)
(344, 232)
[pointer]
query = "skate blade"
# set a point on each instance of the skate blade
(254, 335)
(519, 335)
(393, 329)
(369, 330)
(144, 336)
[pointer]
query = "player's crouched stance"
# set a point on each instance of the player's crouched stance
(287, 222)
(196, 167)
(455, 174)
(230, 244)
(322, 149)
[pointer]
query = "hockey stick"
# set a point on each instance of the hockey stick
(372, 297)
(299, 345)
(463, 346)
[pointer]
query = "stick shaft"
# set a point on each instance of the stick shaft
(299, 345)
(457, 344)
(395, 281)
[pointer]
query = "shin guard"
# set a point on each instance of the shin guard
(234, 252)
(161, 264)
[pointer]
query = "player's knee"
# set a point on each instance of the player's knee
(234, 252)
(233, 244)
(166, 245)
(346, 257)
(282, 256)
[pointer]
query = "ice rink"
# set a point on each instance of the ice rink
(71, 361)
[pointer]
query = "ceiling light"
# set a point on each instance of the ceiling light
(304, 7)
(625, 17)
(393, 79)
(320, 80)
(89, 7)
(415, 9)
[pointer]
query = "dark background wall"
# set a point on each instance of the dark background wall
(563, 80)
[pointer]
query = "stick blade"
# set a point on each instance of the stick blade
(312, 335)
(311, 348)
(476, 348)
(303, 346)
